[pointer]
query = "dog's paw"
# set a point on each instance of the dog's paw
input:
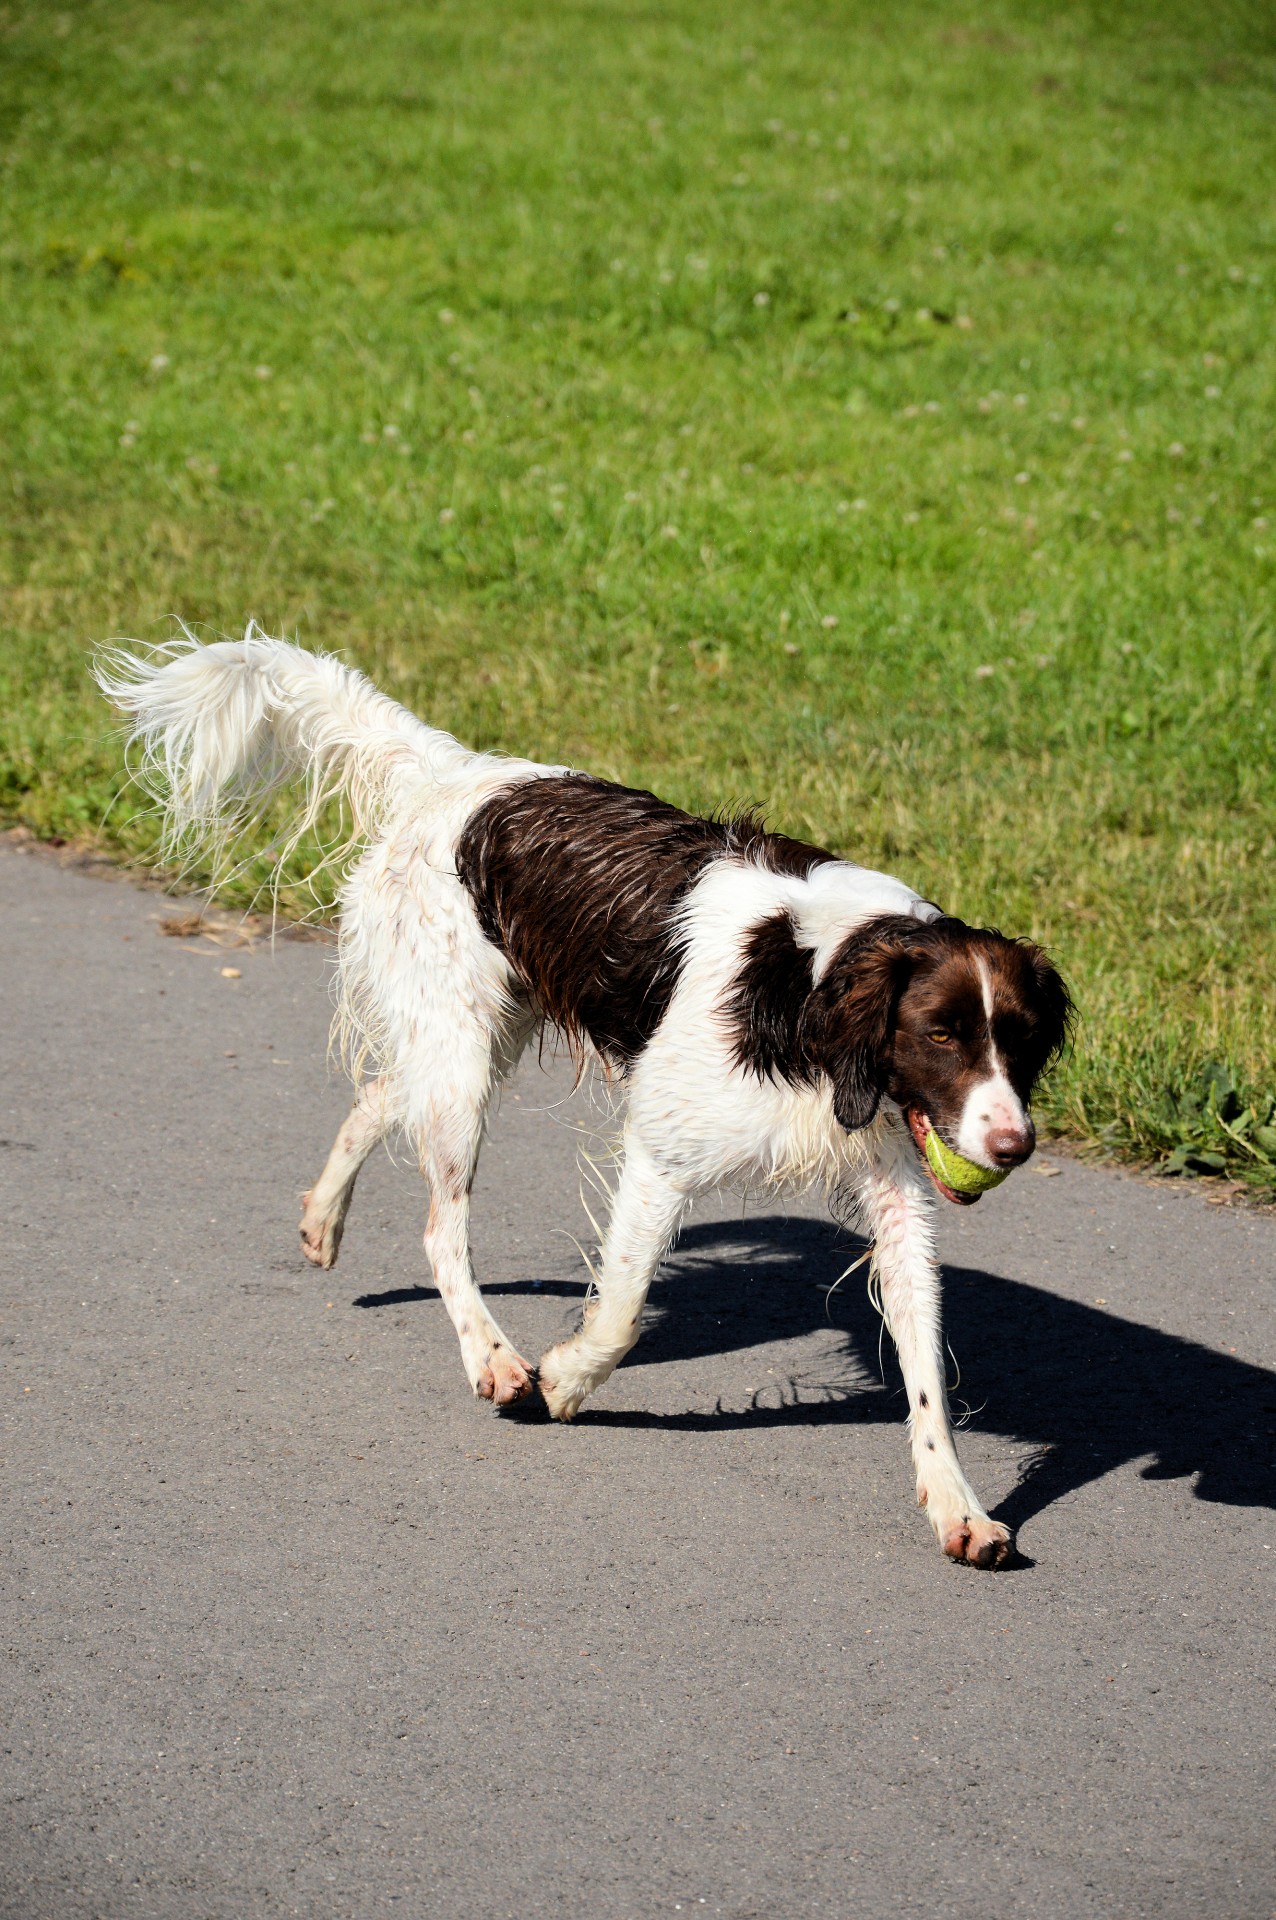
(320, 1236)
(503, 1378)
(978, 1542)
(561, 1385)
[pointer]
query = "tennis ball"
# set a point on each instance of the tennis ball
(962, 1175)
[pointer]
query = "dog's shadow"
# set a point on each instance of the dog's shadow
(1086, 1389)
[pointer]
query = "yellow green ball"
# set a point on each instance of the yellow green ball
(962, 1175)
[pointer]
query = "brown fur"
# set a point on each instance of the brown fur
(579, 882)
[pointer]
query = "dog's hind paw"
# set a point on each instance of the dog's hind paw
(563, 1385)
(503, 1378)
(320, 1236)
(978, 1542)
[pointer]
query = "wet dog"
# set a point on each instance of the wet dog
(778, 1017)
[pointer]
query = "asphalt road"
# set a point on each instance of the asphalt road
(292, 1625)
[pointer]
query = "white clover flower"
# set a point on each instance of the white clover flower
(448, 514)
(158, 362)
(264, 372)
(829, 620)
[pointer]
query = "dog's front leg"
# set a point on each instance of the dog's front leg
(897, 1212)
(644, 1219)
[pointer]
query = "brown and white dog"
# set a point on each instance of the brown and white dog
(777, 1016)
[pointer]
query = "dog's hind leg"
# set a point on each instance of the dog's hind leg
(323, 1218)
(450, 1095)
(644, 1220)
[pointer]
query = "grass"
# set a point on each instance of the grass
(864, 411)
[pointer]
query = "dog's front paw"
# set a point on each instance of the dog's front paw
(503, 1377)
(977, 1541)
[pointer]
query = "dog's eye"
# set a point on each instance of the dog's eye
(940, 1036)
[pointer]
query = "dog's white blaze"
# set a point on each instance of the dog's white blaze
(992, 1105)
(985, 982)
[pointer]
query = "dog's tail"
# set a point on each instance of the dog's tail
(221, 727)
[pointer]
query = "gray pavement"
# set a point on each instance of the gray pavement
(294, 1626)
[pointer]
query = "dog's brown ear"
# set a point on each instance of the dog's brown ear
(1053, 1007)
(851, 1012)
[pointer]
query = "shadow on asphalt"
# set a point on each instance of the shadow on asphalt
(1089, 1390)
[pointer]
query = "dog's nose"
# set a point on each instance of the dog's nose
(1010, 1146)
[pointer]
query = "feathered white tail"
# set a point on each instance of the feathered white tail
(222, 726)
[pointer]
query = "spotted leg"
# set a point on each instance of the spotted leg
(897, 1208)
(644, 1220)
(448, 1108)
(325, 1207)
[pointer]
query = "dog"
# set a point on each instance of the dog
(777, 1017)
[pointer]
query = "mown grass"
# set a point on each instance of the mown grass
(864, 411)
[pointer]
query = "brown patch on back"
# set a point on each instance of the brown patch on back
(579, 882)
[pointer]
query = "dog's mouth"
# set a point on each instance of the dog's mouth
(919, 1125)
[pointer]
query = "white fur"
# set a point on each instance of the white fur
(428, 1008)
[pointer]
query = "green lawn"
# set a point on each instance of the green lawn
(864, 410)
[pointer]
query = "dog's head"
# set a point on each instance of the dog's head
(955, 1024)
